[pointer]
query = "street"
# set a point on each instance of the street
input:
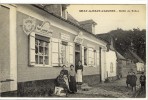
(115, 89)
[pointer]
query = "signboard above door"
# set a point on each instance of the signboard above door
(79, 38)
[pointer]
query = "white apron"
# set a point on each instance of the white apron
(79, 75)
(66, 80)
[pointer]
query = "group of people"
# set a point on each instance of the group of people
(70, 80)
(132, 78)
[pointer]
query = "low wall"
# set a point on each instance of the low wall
(44, 88)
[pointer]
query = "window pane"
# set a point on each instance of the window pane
(63, 54)
(46, 60)
(77, 47)
(41, 50)
(36, 59)
(46, 51)
(40, 59)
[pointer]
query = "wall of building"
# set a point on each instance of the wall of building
(4, 48)
(27, 73)
(111, 58)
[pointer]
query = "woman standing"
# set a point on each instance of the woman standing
(72, 81)
(79, 71)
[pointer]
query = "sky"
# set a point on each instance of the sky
(111, 17)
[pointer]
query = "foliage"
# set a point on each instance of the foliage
(127, 39)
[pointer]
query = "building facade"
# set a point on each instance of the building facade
(35, 43)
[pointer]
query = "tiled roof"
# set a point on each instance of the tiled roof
(108, 39)
(70, 20)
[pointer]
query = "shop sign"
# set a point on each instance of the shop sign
(79, 38)
(65, 37)
(44, 29)
(28, 25)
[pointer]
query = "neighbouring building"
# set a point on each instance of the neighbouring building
(111, 57)
(36, 40)
(118, 65)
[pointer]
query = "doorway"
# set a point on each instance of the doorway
(77, 57)
(77, 53)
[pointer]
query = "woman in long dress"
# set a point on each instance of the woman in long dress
(72, 81)
(79, 72)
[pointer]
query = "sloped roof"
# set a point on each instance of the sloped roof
(132, 56)
(136, 56)
(119, 56)
(71, 19)
(105, 37)
(108, 39)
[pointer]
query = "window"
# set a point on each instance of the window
(111, 67)
(63, 53)
(41, 50)
(94, 58)
(91, 57)
(85, 56)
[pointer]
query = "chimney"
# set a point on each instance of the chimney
(57, 9)
(89, 25)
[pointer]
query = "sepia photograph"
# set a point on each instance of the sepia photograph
(73, 50)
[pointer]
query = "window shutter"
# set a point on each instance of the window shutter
(67, 55)
(32, 49)
(71, 53)
(82, 55)
(97, 61)
(89, 56)
(60, 53)
(55, 52)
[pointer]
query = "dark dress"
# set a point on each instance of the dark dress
(133, 80)
(65, 72)
(128, 79)
(78, 67)
(142, 80)
(72, 83)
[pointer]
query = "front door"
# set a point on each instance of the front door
(77, 57)
(77, 54)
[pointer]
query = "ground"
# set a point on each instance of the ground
(115, 89)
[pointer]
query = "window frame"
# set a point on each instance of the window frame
(92, 57)
(66, 47)
(85, 56)
(49, 52)
(43, 55)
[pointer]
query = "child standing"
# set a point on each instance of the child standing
(142, 81)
